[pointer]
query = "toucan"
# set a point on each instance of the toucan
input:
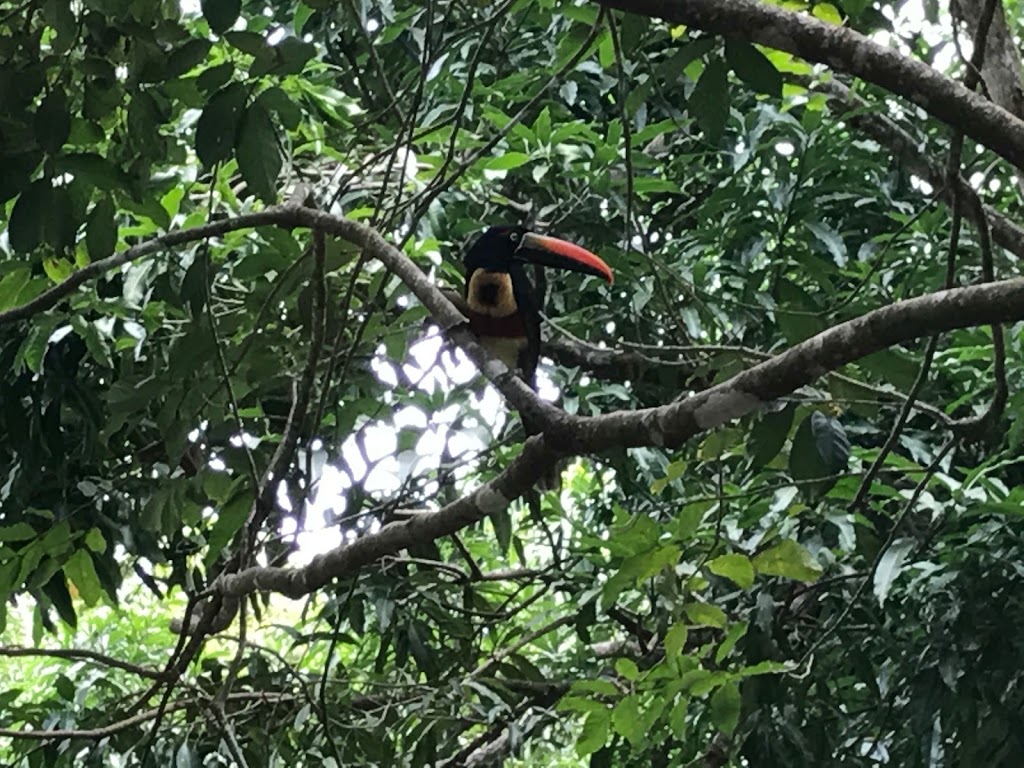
(502, 304)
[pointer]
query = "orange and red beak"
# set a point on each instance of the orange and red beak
(561, 254)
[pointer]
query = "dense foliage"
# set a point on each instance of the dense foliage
(757, 596)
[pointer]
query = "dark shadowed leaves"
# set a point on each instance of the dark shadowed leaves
(259, 157)
(221, 14)
(217, 128)
(709, 102)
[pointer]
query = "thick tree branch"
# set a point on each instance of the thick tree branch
(847, 51)
(667, 426)
(564, 435)
(1001, 68)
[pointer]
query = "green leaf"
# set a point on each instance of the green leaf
(753, 67)
(94, 540)
(733, 636)
(594, 733)
(675, 640)
(280, 103)
(11, 287)
(17, 532)
(627, 668)
(185, 57)
(292, 55)
(502, 522)
(769, 435)
(890, 565)
(217, 127)
(789, 560)
(725, 708)
(53, 121)
(81, 572)
(827, 12)
(832, 241)
(214, 78)
(94, 169)
(705, 615)
(735, 567)
(709, 102)
(230, 519)
(831, 441)
(58, 270)
(507, 161)
(33, 351)
(221, 14)
(626, 719)
(259, 158)
(101, 229)
(27, 226)
(805, 461)
(542, 126)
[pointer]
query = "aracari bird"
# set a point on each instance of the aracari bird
(502, 304)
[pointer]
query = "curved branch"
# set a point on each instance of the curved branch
(564, 435)
(848, 51)
(668, 425)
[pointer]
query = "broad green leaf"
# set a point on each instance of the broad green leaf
(53, 121)
(735, 567)
(769, 435)
(217, 127)
(507, 161)
(709, 101)
(187, 56)
(705, 615)
(806, 462)
(725, 708)
(281, 104)
(626, 719)
(831, 441)
(502, 522)
(753, 67)
(733, 636)
(58, 270)
(81, 572)
(17, 532)
(594, 733)
(27, 226)
(221, 14)
(627, 668)
(11, 287)
(789, 560)
(259, 157)
(94, 540)
(827, 12)
(101, 229)
(890, 565)
(675, 639)
(832, 241)
(230, 519)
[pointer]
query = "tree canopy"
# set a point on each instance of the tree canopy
(266, 500)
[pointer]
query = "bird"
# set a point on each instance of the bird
(503, 306)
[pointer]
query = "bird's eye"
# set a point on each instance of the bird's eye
(514, 237)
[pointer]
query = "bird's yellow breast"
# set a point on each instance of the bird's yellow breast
(490, 293)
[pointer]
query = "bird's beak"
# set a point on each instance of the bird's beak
(560, 254)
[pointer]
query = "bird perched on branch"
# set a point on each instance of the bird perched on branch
(502, 304)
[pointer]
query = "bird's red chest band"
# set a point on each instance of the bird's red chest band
(507, 327)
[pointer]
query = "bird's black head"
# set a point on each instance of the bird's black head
(495, 249)
(501, 247)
